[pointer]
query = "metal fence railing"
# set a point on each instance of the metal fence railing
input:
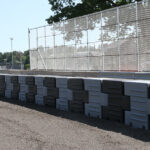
(117, 39)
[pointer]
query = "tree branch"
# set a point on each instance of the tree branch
(112, 2)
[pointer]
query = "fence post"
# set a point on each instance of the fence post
(29, 48)
(45, 46)
(52, 66)
(137, 40)
(37, 48)
(103, 54)
(39, 52)
(87, 23)
(75, 61)
(54, 46)
(64, 50)
(118, 35)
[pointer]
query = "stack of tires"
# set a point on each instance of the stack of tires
(138, 116)
(2, 86)
(52, 92)
(41, 90)
(97, 99)
(16, 88)
(62, 101)
(9, 86)
(23, 88)
(77, 96)
(31, 89)
(118, 103)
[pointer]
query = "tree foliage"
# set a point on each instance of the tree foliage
(18, 57)
(67, 9)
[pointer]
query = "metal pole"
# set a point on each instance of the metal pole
(37, 49)
(29, 48)
(137, 40)
(45, 36)
(40, 53)
(54, 48)
(20, 52)
(64, 56)
(87, 21)
(118, 23)
(21, 61)
(11, 39)
(102, 42)
(75, 58)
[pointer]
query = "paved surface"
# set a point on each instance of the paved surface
(29, 127)
(50, 72)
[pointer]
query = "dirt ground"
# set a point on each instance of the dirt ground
(30, 127)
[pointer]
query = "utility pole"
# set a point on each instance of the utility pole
(12, 63)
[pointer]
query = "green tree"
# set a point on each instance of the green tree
(26, 60)
(67, 9)
(6, 57)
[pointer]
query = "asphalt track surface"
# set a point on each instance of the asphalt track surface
(50, 72)
(30, 127)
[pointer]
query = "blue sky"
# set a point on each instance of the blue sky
(16, 17)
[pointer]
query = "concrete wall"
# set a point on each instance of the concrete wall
(122, 100)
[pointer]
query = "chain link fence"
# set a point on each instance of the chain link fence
(117, 39)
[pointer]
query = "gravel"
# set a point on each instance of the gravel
(30, 127)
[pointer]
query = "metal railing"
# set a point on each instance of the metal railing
(116, 39)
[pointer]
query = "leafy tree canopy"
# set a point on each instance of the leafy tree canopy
(67, 9)
(6, 58)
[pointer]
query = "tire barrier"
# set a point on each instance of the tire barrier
(23, 88)
(31, 89)
(9, 86)
(117, 102)
(41, 90)
(2, 86)
(16, 87)
(77, 96)
(122, 100)
(62, 103)
(97, 99)
(138, 116)
(52, 93)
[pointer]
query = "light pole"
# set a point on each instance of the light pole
(11, 39)
(21, 60)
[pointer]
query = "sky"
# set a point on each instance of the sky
(16, 16)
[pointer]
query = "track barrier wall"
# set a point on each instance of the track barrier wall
(121, 100)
